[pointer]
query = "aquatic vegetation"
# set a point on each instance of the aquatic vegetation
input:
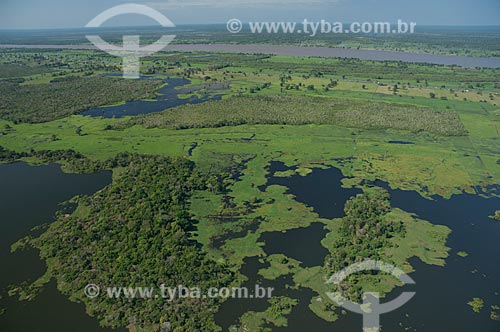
(275, 314)
(495, 313)
(496, 216)
(476, 304)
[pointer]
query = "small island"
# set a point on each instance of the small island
(476, 304)
(496, 216)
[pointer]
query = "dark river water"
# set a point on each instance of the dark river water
(30, 196)
(442, 293)
(168, 98)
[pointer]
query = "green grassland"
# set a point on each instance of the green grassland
(266, 116)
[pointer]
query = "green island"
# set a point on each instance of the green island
(476, 304)
(495, 314)
(496, 216)
(279, 306)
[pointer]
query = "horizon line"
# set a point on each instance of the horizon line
(222, 23)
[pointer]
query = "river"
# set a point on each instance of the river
(325, 52)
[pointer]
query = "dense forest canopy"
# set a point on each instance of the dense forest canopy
(301, 110)
(135, 232)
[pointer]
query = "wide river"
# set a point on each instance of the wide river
(325, 52)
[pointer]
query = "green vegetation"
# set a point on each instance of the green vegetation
(364, 232)
(294, 110)
(279, 265)
(402, 237)
(421, 239)
(8, 71)
(72, 161)
(495, 313)
(136, 232)
(324, 308)
(462, 254)
(63, 97)
(496, 216)
(275, 314)
(476, 304)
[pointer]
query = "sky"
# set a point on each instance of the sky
(47, 14)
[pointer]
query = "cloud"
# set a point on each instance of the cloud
(177, 4)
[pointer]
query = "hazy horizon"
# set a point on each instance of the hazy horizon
(221, 24)
(73, 14)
